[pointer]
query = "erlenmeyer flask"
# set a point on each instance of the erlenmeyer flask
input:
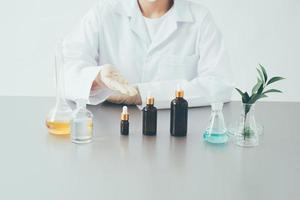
(58, 119)
(247, 133)
(216, 131)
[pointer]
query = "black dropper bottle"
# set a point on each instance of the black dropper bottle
(124, 126)
(179, 115)
(149, 117)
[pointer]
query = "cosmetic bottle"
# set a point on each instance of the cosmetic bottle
(81, 123)
(124, 126)
(149, 117)
(179, 115)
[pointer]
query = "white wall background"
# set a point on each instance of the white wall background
(256, 31)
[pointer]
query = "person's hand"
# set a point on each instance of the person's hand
(110, 77)
(125, 99)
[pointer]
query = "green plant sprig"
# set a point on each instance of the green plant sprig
(259, 89)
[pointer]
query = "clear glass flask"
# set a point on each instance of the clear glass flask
(58, 119)
(216, 131)
(81, 123)
(247, 133)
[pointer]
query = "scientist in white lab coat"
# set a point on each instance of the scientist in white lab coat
(123, 49)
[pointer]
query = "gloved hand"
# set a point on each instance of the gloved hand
(125, 99)
(109, 77)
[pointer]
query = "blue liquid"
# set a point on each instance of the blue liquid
(215, 138)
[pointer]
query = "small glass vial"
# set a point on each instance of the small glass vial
(81, 124)
(124, 125)
(149, 117)
(179, 115)
(216, 131)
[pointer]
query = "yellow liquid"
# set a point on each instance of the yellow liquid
(58, 128)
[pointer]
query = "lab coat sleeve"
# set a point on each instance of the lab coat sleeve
(213, 82)
(81, 52)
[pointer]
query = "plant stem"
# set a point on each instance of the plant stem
(247, 109)
(245, 126)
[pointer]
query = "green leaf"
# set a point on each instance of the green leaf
(253, 98)
(256, 97)
(260, 89)
(272, 91)
(275, 79)
(246, 97)
(261, 76)
(264, 72)
(241, 93)
(263, 96)
(256, 87)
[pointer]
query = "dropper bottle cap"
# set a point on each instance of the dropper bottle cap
(150, 99)
(179, 92)
(125, 114)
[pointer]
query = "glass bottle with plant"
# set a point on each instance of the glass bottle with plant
(247, 133)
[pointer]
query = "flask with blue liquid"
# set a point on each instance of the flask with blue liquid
(216, 131)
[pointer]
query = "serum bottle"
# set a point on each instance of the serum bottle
(124, 126)
(179, 115)
(149, 117)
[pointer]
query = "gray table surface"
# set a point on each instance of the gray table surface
(36, 165)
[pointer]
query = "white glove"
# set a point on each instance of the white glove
(111, 78)
(125, 99)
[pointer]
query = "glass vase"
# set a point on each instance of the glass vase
(247, 133)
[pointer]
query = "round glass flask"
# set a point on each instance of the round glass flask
(58, 118)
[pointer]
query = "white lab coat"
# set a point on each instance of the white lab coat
(188, 50)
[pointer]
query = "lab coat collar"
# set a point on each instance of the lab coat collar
(181, 13)
(166, 29)
(137, 23)
(130, 8)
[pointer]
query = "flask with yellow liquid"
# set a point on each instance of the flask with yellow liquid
(59, 117)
